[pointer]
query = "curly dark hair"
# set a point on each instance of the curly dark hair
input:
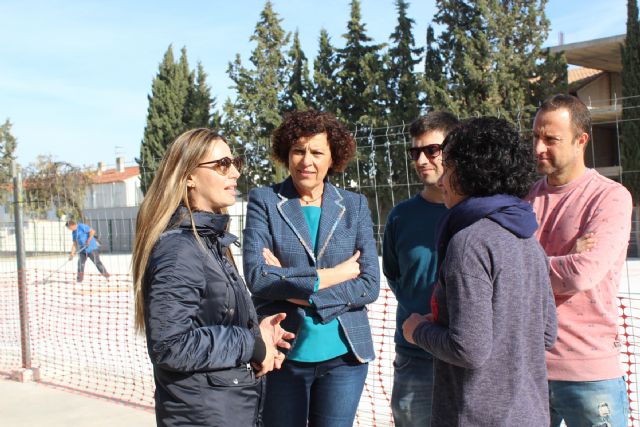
(489, 157)
(301, 124)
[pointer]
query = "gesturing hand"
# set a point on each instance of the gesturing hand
(274, 337)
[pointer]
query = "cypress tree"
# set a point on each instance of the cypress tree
(199, 102)
(403, 81)
(360, 76)
(630, 125)
(435, 82)
(256, 111)
(165, 114)
(297, 95)
(325, 90)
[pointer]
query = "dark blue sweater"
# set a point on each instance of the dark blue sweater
(409, 261)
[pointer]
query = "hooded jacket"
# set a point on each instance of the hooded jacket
(496, 316)
(201, 327)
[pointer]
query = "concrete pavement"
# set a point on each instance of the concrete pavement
(31, 404)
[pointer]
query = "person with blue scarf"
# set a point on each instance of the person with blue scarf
(493, 311)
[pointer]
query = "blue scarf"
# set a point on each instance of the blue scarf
(511, 213)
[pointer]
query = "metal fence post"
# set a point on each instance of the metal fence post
(26, 372)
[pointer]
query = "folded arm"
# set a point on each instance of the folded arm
(610, 224)
(364, 289)
(264, 280)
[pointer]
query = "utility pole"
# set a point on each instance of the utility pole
(26, 373)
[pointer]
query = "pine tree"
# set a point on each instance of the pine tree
(256, 111)
(493, 59)
(360, 76)
(165, 114)
(631, 102)
(297, 95)
(325, 90)
(403, 81)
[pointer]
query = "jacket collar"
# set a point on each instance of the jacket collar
(207, 224)
(291, 211)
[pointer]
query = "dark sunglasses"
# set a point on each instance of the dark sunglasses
(223, 165)
(431, 151)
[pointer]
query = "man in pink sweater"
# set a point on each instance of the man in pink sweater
(585, 222)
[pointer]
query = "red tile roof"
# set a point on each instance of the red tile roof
(581, 73)
(112, 175)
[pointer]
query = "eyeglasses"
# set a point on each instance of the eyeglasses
(223, 165)
(431, 151)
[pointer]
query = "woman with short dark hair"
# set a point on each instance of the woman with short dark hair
(309, 252)
(493, 311)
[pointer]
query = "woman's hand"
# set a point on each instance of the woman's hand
(270, 258)
(351, 267)
(274, 337)
(346, 270)
(409, 326)
(584, 243)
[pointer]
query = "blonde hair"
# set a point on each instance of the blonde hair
(167, 191)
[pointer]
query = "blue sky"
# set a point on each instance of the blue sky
(75, 74)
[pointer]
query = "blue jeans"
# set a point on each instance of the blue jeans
(589, 403)
(94, 256)
(324, 393)
(412, 391)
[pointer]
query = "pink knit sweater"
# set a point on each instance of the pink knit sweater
(585, 285)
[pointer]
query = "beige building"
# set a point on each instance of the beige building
(595, 79)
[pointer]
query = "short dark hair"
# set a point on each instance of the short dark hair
(70, 223)
(489, 157)
(301, 124)
(580, 115)
(443, 121)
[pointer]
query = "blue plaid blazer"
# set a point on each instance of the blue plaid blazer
(275, 221)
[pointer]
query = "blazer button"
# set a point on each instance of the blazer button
(264, 273)
(283, 277)
(348, 304)
(364, 294)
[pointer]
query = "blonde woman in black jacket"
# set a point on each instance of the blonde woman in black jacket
(207, 348)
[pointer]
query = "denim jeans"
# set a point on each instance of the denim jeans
(589, 403)
(324, 393)
(412, 391)
(93, 256)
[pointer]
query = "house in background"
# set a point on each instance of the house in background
(595, 80)
(111, 205)
(112, 202)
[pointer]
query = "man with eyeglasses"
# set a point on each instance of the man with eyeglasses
(585, 223)
(409, 263)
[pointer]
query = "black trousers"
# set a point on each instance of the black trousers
(94, 256)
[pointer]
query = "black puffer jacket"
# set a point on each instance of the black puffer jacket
(201, 327)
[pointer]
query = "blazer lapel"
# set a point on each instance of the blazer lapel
(291, 211)
(332, 212)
